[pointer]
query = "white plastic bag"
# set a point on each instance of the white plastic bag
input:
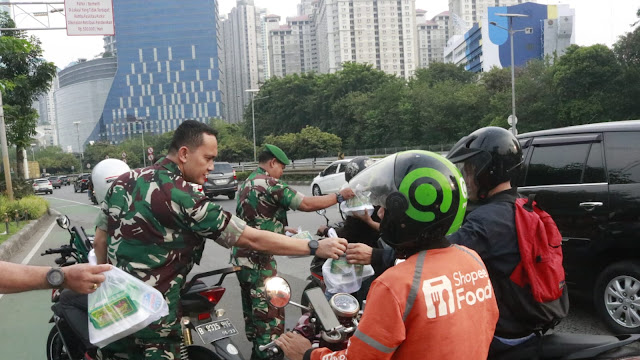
(358, 204)
(342, 277)
(121, 306)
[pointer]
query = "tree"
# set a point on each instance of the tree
(313, 142)
(440, 72)
(627, 51)
(26, 75)
(232, 145)
(55, 161)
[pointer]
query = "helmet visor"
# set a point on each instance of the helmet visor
(378, 179)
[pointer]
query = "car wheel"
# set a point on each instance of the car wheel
(231, 195)
(316, 190)
(617, 297)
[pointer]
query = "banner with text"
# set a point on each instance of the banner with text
(93, 17)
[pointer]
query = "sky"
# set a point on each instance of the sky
(597, 22)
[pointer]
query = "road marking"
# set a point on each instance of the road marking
(75, 202)
(35, 248)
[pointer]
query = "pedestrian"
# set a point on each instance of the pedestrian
(263, 202)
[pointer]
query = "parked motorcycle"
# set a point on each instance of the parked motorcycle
(328, 324)
(207, 333)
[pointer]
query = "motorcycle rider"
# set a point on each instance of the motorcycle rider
(439, 303)
(490, 159)
(263, 201)
(157, 226)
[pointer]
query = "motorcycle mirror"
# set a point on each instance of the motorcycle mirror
(277, 291)
(63, 221)
(322, 212)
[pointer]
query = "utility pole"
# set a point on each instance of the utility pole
(5, 153)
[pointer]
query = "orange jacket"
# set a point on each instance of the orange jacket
(443, 308)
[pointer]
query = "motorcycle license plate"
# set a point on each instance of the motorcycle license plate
(216, 330)
(220, 182)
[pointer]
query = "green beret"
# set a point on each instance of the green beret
(278, 153)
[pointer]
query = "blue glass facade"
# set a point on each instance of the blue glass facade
(168, 68)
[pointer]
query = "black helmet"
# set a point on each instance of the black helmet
(356, 165)
(491, 155)
(423, 194)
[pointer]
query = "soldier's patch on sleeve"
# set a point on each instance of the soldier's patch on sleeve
(296, 201)
(231, 232)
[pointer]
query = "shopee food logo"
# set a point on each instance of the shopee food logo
(443, 297)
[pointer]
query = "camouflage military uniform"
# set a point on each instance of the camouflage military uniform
(263, 202)
(157, 228)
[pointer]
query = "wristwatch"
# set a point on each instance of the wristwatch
(55, 278)
(313, 246)
(339, 198)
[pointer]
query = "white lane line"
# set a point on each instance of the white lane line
(75, 202)
(35, 248)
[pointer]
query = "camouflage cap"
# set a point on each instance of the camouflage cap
(278, 153)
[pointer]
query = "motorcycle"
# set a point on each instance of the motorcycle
(92, 197)
(207, 334)
(324, 323)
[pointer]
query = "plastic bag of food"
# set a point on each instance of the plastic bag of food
(121, 306)
(358, 204)
(342, 277)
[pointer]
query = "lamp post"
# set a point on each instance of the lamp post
(253, 120)
(514, 119)
(77, 124)
(32, 153)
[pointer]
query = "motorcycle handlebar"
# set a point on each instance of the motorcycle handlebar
(60, 250)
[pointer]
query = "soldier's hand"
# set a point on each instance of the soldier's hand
(290, 229)
(84, 278)
(359, 254)
(293, 345)
(331, 248)
(347, 193)
(322, 230)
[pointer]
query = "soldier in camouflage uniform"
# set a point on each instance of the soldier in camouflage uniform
(263, 201)
(157, 226)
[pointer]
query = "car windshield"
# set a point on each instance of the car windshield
(42, 181)
(222, 168)
(53, 178)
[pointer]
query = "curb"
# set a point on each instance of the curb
(15, 242)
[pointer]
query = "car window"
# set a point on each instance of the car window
(342, 167)
(330, 170)
(42, 181)
(594, 170)
(222, 168)
(623, 157)
(556, 165)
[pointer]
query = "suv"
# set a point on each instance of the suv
(82, 183)
(221, 180)
(42, 185)
(55, 182)
(588, 178)
(331, 179)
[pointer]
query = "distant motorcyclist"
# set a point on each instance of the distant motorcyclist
(437, 304)
(490, 159)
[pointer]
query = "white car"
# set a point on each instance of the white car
(331, 179)
(42, 185)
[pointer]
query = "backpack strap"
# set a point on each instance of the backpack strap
(530, 203)
(415, 284)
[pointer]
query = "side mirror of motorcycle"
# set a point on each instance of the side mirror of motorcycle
(277, 291)
(322, 212)
(63, 221)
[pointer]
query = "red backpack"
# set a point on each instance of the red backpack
(540, 245)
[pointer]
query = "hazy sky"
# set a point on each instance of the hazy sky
(597, 21)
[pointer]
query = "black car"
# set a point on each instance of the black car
(221, 181)
(64, 180)
(55, 181)
(82, 183)
(588, 178)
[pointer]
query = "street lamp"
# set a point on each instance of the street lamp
(141, 121)
(514, 119)
(253, 120)
(77, 124)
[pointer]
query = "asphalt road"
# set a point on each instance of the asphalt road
(24, 317)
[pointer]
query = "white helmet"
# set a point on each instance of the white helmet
(106, 172)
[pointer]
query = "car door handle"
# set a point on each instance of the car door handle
(590, 205)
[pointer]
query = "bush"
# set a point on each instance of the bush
(34, 206)
(21, 188)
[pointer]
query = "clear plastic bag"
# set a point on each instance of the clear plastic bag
(358, 204)
(342, 277)
(121, 306)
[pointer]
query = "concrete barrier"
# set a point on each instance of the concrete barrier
(14, 243)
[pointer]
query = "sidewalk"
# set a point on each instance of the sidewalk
(14, 243)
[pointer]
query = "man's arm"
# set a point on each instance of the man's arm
(313, 203)
(100, 245)
(79, 278)
(277, 244)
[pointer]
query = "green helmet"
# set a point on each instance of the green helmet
(423, 193)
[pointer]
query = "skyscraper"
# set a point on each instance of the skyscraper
(244, 59)
(168, 67)
(464, 13)
(293, 47)
(432, 38)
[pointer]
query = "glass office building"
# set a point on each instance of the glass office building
(168, 67)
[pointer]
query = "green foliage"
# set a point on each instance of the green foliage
(310, 142)
(232, 145)
(33, 206)
(21, 188)
(56, 161)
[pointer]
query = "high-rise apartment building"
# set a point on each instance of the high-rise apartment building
(243, 44)
(381, 33)
(293, 47)
(307, 7)
(465, 13)
(168, 68)
(432, 38)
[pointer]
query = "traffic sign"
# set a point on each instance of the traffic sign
(150, 157)
(150, 150)
(88, 166)
(510, 120)
(124, 155)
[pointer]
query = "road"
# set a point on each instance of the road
(24, 317)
